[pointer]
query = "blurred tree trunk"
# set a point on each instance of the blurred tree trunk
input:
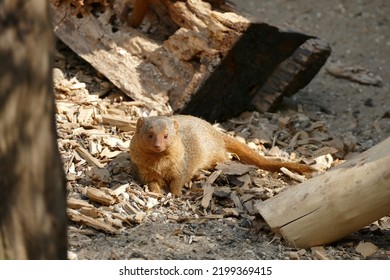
(32, 183)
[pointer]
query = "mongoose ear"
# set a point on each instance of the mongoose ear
(140, 123)
(176, 125)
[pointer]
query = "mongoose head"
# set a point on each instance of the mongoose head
(157, 133)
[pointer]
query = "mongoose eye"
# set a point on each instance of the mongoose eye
(166, 136)
(150, 135)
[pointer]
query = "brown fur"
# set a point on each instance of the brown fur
(169, 151)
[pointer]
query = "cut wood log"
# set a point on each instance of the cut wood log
(335, 204)
(292, 74)
(192, 57)
(264, 64)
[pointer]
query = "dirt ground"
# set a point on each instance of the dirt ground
(358, 34)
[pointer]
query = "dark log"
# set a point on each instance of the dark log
(265, 64)
(292, 74)
(32, 182)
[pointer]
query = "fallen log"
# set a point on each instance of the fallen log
(190, 57)
(331, 206)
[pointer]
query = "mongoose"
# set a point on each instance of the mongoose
(169, 151)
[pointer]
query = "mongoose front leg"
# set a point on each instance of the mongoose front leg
(154, 186)
(176, 186)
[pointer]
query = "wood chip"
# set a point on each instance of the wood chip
(85, 114)
(207, 196)
(230, 212)
(214, 216)
(91, 212)
(234, 168)
(354, 73)
(137, 199)
(293, 175)
(139, 217)
(319, 252)
(116, 223)
(129, 208)
(222, 192)
(246, 179)
(99, 196)
(99, 174)
(211, 179)
(366, 249)
(91, 222)
(377, 127)
(120, 189)
(72, 256)
(94, 148)
(107, 153)
(88, 157)
(114, 142)
(152, 202)
(246, 197)
(236, 201)
(76, 203)
(249, 207)
(293, 255)
(83, 231)
(264, 132)
(327, 150)
(120, 122)
(323, 163)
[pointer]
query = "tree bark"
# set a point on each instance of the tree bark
(32, 182)
(333, 205)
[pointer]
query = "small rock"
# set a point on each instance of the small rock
(58, 75)
(369, 102)
(293, 255)
(366, 249)
(302, 252)
(72, 256)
